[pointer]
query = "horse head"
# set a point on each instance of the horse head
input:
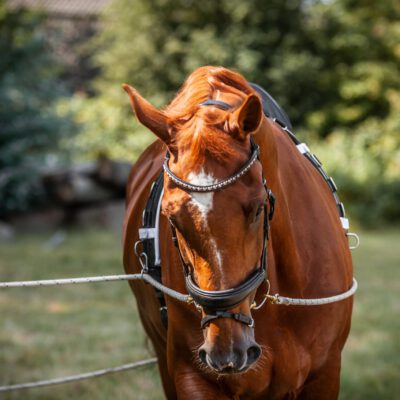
(220, 229)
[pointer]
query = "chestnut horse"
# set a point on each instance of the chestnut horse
(289, 352)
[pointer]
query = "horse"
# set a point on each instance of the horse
(216, 233)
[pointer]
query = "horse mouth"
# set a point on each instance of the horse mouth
(228, 369)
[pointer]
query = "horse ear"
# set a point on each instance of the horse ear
(248, 117)
(147, 114)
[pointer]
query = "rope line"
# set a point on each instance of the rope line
(79, 377)
(67, 281)
(98, 279)
(289, 301)
(276, 299)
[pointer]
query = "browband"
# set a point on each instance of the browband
(218, 185)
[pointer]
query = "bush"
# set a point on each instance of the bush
(366, 165)
(30, 124)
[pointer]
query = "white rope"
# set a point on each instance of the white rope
(289, 301)
(67, 281)
(79, 377)
(96, 279)
(276, 299)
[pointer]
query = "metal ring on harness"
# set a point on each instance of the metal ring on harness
(142, 257)
(256, 306)
(357, 240)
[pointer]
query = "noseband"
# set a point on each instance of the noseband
(216, 304)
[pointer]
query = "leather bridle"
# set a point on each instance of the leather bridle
(216, 304)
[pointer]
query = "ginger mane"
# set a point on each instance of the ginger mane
(203, 132)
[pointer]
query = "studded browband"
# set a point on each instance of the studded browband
(218, 185)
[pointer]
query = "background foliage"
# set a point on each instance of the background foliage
(333, 65)
(29, 124)
(360, 45)
(155, 44)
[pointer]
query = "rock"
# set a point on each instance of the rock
(108, 216)
(39, 221)
(6, 232)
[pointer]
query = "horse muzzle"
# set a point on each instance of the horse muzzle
(237, 360)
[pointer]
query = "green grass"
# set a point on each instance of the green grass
(56, 331)
(371, 362)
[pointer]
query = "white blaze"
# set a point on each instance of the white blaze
(204, 202)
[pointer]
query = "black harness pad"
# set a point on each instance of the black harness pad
(271, 107)
(149, 237)
(149, 221)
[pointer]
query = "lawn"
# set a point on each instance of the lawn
(56, 331)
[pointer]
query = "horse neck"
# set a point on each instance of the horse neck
(286, 269)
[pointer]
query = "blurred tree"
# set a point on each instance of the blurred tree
(29, 124)
(155, 44)
(358, 44)
(332, 64)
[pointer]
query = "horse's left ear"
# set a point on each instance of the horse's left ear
(248, 117)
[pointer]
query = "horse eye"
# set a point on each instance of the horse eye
(259, 210)
(253, 211)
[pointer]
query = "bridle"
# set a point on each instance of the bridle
(216, 304)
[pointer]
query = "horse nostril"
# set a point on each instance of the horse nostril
(253, 353)
(202, 356)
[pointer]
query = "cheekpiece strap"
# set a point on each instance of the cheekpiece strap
(271, 200)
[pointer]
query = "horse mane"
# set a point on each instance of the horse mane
(205, 133)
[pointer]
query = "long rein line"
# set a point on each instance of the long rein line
(275, 299)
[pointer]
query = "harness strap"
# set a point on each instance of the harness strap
(271, 201)
(244, 319)
(148, 235)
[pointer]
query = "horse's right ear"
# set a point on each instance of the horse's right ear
(147, 114)
(247, 118)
